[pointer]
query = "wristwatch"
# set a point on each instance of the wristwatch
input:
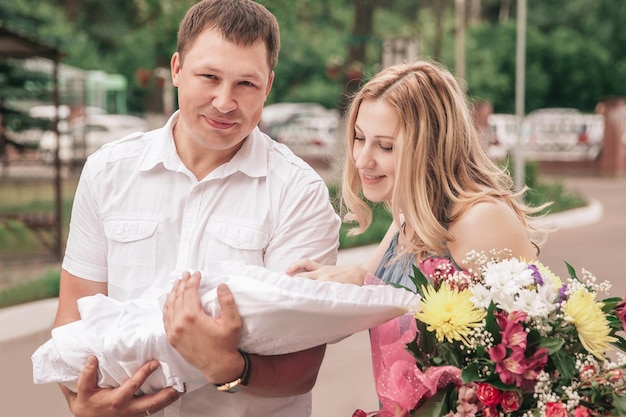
(240, 383)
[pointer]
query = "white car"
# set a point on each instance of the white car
(87, 134)
(312, 136)
(277, 116)
(563, 134)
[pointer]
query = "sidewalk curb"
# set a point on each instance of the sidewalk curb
(24, 319)
(582, 216)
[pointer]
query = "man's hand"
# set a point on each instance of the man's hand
(92, 401)
(208, 343)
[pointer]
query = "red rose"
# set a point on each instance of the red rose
(556, 409)
(582, 411)
(510, 401)
(488, 394)
(490, 412)
(614, 375)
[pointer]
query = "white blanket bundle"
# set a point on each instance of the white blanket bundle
(280, 313)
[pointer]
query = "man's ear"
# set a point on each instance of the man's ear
(175, 65)
(270, 82)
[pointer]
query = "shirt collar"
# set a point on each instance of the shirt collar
(251, 159)
(161, 149)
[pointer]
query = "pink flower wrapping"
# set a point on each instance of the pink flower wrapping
(397, 377)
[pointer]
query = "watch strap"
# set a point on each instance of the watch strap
(243, 379)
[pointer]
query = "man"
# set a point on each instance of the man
(207, 186)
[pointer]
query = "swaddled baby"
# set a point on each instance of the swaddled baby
(280, 313)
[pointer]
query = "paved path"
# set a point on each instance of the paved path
(345, 380)
(599, 247)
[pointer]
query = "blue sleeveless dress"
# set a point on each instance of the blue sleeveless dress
(397, 272)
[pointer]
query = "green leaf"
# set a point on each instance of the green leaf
(426, 339)
(564, 363)
(501, 385)
(553, 344)
(619, 401)
(620, 344)
(436, 406)
(470, 373)
(419, 280)
(610, 304)
(491, 325)
(571, 271)
(451, 354)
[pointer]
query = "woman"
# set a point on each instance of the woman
(412, 145)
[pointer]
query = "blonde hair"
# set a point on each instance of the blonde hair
(439, 158)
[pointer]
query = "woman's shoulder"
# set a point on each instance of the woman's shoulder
(489, 224)
(488, 209)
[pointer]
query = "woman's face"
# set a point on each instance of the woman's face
(373, 155)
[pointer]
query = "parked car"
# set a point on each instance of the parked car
(563, 134)
(312, 136)
(85, 135)
(279, 115)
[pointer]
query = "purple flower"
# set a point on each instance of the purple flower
(563, 292)
(536, 275)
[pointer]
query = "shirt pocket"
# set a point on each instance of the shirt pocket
(237, 234)
(132, 251)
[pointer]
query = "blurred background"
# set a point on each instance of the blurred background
(541, 76)
(546, 80)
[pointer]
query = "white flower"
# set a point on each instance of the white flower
(481, 296)
(504, 302)
(508, 276)
(530, 302)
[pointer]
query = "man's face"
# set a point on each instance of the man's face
(222, 87)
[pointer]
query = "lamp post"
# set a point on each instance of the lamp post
(459, 13)
(520, 76)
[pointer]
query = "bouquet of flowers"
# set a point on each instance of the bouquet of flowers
(502, 338)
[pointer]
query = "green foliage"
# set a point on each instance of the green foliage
(33, 197)
(543, 190)
(373, 235)
(574, 53)
(44, 287)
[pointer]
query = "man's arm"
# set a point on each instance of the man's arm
(72, 288)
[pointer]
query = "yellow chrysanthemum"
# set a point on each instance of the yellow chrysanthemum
(449, 313)
(546, 272)
(593, 329)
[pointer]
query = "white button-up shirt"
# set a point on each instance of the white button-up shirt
(140, 218)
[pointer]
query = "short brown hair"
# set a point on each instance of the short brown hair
(240, 21)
